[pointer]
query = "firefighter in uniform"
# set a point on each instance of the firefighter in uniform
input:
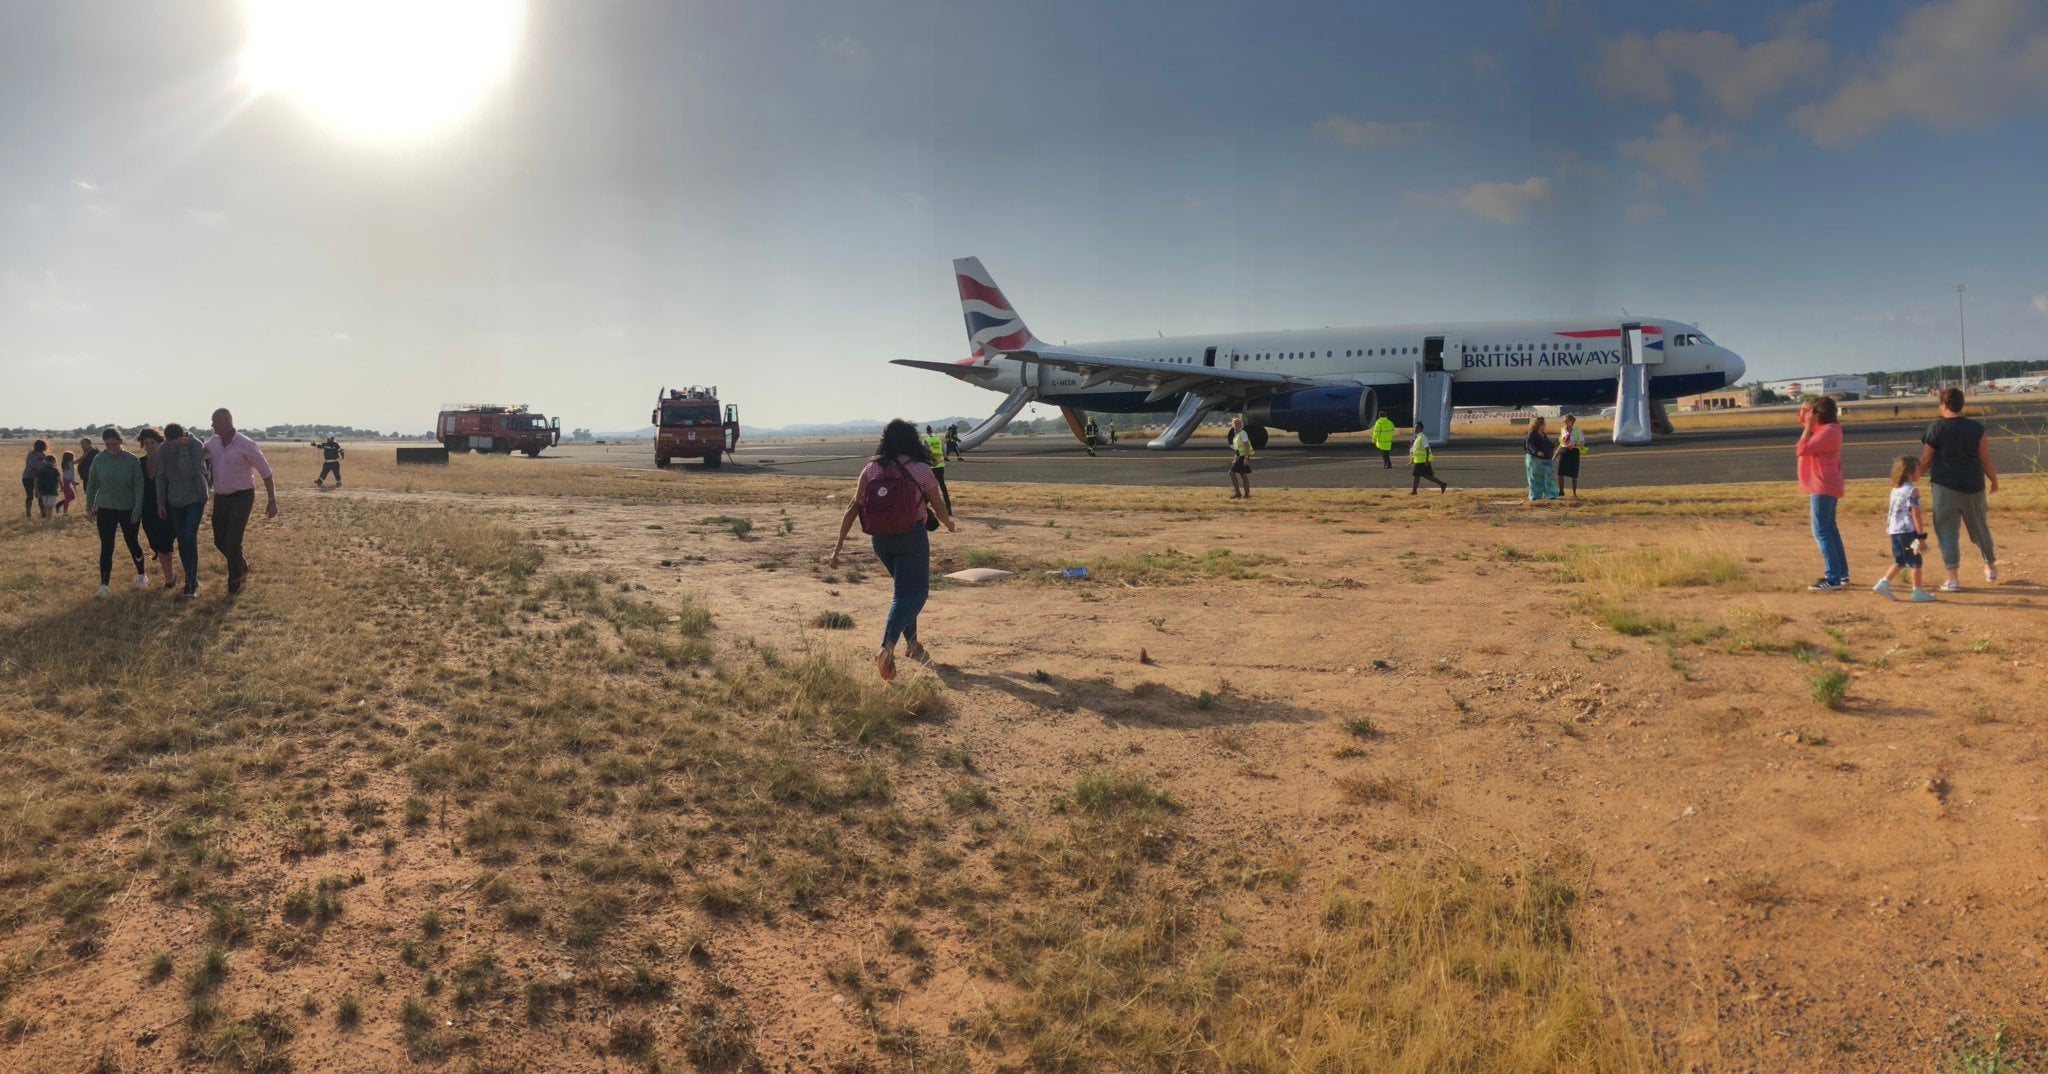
(330, 461)
(936, 444)
(1091, 434)
(1383, 439)
(953, 445)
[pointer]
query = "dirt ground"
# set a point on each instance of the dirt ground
(1770, 884)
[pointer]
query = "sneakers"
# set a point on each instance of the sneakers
(1921, 596)
(101, 595)
(1825, 585)
(141, 581)
(1951, 587)
(1883, 588)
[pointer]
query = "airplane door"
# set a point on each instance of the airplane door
(1442, 354)
(1209, 357)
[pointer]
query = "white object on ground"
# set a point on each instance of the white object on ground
(979, 574)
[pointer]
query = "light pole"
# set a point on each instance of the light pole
(1962, 340)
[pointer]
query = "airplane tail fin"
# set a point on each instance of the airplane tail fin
(993, 325)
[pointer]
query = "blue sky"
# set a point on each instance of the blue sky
(767, 196)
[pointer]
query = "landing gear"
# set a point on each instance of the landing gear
(1312, 439)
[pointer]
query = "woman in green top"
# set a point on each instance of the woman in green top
(113, 498)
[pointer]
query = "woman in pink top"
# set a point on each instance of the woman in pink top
(1820, 477)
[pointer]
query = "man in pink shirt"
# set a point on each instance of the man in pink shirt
(235, 462)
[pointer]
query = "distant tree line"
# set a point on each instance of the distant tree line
(268, 432)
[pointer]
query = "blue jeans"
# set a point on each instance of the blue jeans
(1834, 558)
(908, 559)
(185, 530)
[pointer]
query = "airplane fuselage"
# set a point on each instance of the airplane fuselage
(1494, 364)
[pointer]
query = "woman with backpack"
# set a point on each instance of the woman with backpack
(897, 502)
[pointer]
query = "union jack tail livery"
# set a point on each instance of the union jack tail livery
(993, 326)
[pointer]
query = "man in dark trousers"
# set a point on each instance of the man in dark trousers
(330, 462)
(235, 462)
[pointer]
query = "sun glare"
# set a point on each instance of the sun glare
(382, 69)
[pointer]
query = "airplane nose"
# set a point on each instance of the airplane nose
(1736, 368)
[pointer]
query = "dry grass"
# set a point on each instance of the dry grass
(535, 765)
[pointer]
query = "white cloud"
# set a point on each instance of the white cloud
(1643, 212)
(1503, 203)
(1736, 77)
(1368, 133)
(2040, 304)
(1675, 151)
(84, 185)
(1950, 64)
(207, 217)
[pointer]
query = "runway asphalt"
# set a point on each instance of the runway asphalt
(2019, 443)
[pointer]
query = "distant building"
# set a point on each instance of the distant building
(1839, 385)
(1725, 399)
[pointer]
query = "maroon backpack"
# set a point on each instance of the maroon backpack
(893, 503)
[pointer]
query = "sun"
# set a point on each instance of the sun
(382, 69)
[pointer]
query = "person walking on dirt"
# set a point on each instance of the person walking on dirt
(1571, 445)
(1383, 439)
(235, 461)
(935, 446)
(113, 499)
(1420, 460)
(1240, 461)
(896, 493)
(46, 483)
(87, 452)
(330, 462)
(156, 528)
(1957, 461)
(1820, 477)
(182, 490)
(67, 482)
(32, 467)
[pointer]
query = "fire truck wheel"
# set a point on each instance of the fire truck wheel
(714, 461)
(661, 461)
(533, 453)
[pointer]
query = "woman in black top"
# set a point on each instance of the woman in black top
(155, 527)
(1957, 462)
(1536, 452)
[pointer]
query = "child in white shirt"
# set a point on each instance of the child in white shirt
(1902, 521)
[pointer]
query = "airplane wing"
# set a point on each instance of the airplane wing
(1163, 378)
(975, 372)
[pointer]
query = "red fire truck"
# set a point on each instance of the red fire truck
(689, 425)
(499, 427)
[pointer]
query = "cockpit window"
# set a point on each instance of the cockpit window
(1690, 339)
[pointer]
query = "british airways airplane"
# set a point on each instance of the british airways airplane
(1314, 382)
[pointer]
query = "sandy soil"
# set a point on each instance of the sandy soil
(1773, 885)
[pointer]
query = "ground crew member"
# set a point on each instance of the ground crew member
(1383, 439)
(953, 444)
(1240, 460)
(1419, 459)
(1112, 432)
(330, 462)
(936, 444)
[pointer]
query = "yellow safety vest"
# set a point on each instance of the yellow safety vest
(1383, 435)
(937, 446)
(1241, 442)
(1418, 450)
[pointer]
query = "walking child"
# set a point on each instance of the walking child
(1902, 521)
(68, 478)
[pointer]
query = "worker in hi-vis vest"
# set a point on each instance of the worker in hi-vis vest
(936, 444)
(1383, 439)
(1419, 459)
(1240, 461)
